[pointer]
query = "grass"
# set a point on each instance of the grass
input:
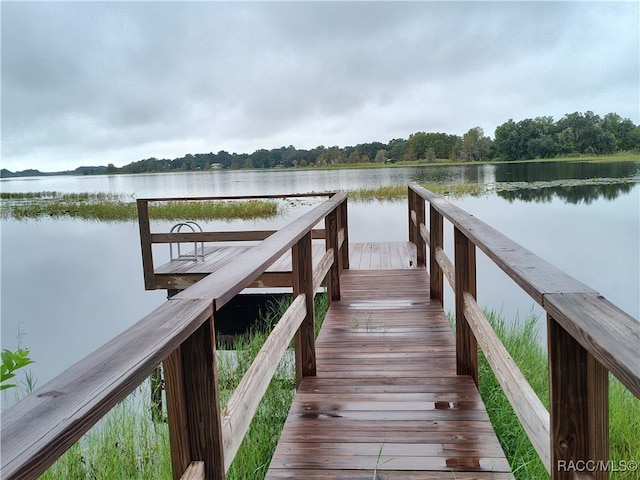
(127, 444)
(522, 342)
(399, 192)
(109, 207)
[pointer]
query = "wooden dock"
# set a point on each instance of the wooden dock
(387, 390)
(386, 401)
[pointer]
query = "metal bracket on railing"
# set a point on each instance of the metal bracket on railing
(194, 227)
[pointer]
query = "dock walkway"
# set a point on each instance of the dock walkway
(386, 401)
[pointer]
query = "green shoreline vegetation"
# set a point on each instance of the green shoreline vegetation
(128, 444)
(114, 207)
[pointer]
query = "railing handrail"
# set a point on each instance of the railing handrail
(553, 289)
(228, 282)
(587, 336)
(236, 197)
(40, 428)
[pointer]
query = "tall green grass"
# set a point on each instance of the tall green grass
(109, 207)
(522, 342)
(126, 444)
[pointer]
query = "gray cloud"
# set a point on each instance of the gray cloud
(92, 83)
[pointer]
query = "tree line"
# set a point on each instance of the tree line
(541, 137)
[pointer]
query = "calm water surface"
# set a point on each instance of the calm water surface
(68, 286)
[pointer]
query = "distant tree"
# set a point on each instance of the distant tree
(624, 131)
(354, 157)
(507, 141)
(381, 156)
(396, 148)
(475, 145)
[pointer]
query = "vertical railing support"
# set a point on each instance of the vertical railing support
(193, 404)
(579, 408)
(466, 342)
(436, 276)
(331, 239)
(303, 284)
(411, 196)
(343, 224)
(144, 224)
(421, 245)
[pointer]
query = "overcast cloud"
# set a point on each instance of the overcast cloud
(97, 83)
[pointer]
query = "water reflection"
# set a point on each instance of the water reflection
(552, 171)
(574, 194)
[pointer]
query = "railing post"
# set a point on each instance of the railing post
(421, 245)
(466, 342)
(303, 283)
(435, 242)
(343, 224)
(579, 408)
(411, 198)
(193, 404)
(145, 244)
(331, 239)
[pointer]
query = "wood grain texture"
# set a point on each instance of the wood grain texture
(236, 197)
(608, 333)
(303, 285)
(382, 256)
(532, 414)
(195, 471)
(145, 244)
(386, 397)
(446, 266)
(436, 242)
(320, 272)
(332, 244)
(177, 416)
(343, 225)
(421, 245)
(465, 277)
(202, 398)
(579, 409)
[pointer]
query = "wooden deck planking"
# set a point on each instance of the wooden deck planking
(386, 401)
(397, 255)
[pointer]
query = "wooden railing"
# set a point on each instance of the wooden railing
(180, 333)
(152, 280)
(588, 337)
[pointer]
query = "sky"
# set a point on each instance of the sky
(92, 83)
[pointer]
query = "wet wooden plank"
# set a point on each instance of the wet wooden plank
(368, 474)
(386, 399)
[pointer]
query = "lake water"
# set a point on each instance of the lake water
(68, 286)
